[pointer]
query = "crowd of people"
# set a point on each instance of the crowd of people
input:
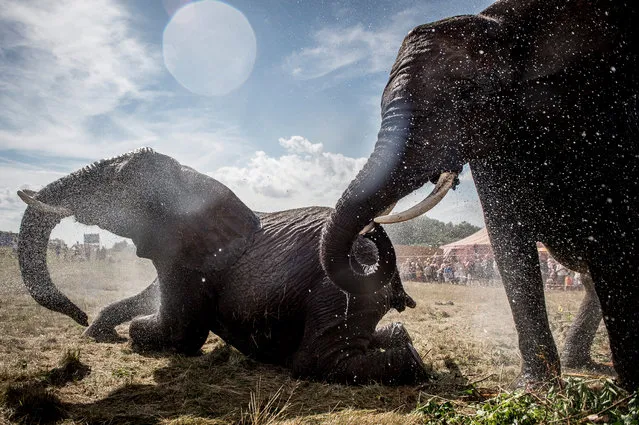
(557, 276)
(481, 271)
(436, 269)
(79, 252)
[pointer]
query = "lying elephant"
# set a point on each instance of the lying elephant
(254, 279)
(540, 98)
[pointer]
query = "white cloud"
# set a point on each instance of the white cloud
(64, 62)
(298, 144)
(9, 201)
(305, 176)
(363, 49)
(20, 176)
(354, 50)
(70, 66)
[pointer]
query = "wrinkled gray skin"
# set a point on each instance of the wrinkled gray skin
(540, 98)
(253, 279)
(576, 351)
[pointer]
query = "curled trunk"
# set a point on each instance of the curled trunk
(61, 196)
(381, 183)
(399, 165)
(32, 255)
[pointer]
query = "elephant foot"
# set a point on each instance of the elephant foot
(586, 363)
(395, 366)
(145, 335)
(422, 373)
(531, 381)
(391, 335)
(629, 383)
(544, 368)
(148, 335)
(99, 334)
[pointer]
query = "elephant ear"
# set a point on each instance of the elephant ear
(204, 226)
(561, 41)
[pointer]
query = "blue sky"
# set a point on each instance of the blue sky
(80, 81)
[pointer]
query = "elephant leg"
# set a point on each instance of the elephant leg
(399, 365)
(181, 323)
(389, 336)
(103, 327)
(615, 280)
(341, 345)
(519, 268)
(576, 352)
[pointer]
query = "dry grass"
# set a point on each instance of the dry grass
(466, 333)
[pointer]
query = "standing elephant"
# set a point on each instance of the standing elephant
(253, 279)
(540, 97)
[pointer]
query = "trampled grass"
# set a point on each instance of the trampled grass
(49, 373)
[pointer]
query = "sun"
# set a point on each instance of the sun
(209, 47)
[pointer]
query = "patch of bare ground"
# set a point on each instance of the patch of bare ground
(465, 333)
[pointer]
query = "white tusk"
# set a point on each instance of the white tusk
(445, 182)
(41, 206)
(370, 225)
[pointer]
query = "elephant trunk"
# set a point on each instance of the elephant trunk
(66, 196)
(415, 145)
(382, 182)
(32, 255)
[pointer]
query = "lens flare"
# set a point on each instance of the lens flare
(209, 47)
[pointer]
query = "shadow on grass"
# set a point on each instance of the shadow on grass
(223, 386)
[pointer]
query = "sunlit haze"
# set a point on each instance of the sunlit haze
(278, 100)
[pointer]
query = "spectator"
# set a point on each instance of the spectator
(429, 272)
(469, 267)
(487, 268)
(562, 272)
(568, 282)
(403, 270)
(543, 267)
(449, 273)
(440, 272)
(411, 270)
(458, 271)
(419, 271)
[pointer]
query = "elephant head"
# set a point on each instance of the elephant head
(171, 212)
(425, 133)
(449, 100)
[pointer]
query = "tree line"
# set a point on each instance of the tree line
(428, 232)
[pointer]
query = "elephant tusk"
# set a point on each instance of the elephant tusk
(370, 225)
(41, 206)
(445, 182)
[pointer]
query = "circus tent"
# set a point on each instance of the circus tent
(475, 245)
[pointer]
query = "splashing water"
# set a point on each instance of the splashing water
(347, 305)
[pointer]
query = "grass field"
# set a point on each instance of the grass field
(465, 333)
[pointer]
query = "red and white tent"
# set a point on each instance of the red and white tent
(475, 245)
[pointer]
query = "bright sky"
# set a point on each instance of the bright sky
(277, 99)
